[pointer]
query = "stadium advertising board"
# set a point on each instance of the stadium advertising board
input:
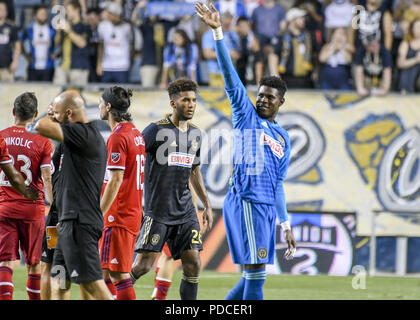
(348, 153)
(325, 244)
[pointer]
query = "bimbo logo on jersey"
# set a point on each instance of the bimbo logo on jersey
(274, 145)
(180, 159)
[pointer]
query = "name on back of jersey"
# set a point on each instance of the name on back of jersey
(274, 145)
(180, 159)
(18, 141)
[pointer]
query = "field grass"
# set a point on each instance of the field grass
(215, 286)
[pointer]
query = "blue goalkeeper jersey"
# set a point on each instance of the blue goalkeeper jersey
(261, 148)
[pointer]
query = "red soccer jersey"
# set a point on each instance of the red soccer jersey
(126, 151)
(4, 153)
(30, 152)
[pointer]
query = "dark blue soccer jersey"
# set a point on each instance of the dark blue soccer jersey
(170, 156)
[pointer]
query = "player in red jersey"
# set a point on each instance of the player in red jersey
(14, 177)
(122, 192)
(22, 221)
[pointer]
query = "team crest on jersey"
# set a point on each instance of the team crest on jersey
(274, 145)
(262, 253)
(180, 159)
(115, 157)
(155, 239)
(194, 145)
(281, 140)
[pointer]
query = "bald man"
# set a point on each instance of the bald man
(82, 171)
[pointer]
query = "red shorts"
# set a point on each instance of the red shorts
(166, 250)
(116, 248)
(28, 233)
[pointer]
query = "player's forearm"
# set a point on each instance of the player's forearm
(49, 128)
(46, 178)
(110, 193)
(197, 182)
(281, 208)
(226, 66)
(14, 177)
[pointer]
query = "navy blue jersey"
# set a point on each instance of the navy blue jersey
(170, 156)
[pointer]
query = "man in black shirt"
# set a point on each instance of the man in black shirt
(78, 198)
(172, 160)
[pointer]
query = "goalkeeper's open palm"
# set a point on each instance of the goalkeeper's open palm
(209, 15)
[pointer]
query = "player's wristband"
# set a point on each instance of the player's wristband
(217, 33)
(285, 225)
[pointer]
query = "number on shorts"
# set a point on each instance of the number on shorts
(25, 169)
(196, 237)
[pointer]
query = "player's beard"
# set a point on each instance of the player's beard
(65, 119)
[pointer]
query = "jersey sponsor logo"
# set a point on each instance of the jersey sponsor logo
(111, 218)
(115, 157)
(155, 239)
(17, 141)
(114, 261)
(274, 145)
(180, 159)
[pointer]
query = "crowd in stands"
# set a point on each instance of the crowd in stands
(371, 46)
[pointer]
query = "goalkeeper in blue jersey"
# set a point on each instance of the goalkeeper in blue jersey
(261, 158)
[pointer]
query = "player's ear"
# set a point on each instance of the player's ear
(172, 103)
(36, 114)
(108, 107)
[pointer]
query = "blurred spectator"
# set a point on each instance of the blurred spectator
(371, 21)
(373, 68)
(336, 58)
(10, 9)
(250, 64)
(116, 49)
(314, 20)
(250, 6)
(190, 24)
(410, 14)
(235, 7)
(293, 58)
(93, 20)
(207, 44)
(150, 29)
(337, 14)
(10, 46)
(180, 59)
(269, 21)
(409, 60)
(73, 38)
(40, 35)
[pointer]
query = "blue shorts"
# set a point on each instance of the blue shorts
(250, 230)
